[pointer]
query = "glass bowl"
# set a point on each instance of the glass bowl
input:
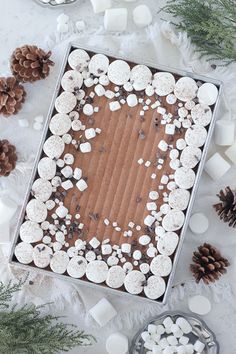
(200, 331)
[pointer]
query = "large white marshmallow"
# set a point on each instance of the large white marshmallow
(7, 210)
(103, 312)
(198, 223)
(100, 5)
(231, 153)
(142, 16)
(224, 132)
(116, 19)
(117, 343)
(217, 166)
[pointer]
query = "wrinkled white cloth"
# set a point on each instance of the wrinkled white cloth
(158, 45)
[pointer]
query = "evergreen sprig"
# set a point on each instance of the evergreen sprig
(7, 291)
(29, 330)
(211, 25)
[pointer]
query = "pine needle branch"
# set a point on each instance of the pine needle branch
(7, 291)
(29, 330)
(211, 25)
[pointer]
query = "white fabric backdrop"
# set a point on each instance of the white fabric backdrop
(162, 45)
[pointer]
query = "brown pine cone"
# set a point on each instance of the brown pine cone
(208, 265)
(226, 208)
(12, 95)
(8, 158)
(30, 63)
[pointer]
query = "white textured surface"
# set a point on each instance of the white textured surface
(24, 22)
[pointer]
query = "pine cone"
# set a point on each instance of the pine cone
(12, 95)
(8, 158)
(208, 265)
(226, 209)
(30, 63)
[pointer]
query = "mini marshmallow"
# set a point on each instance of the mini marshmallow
(94, 242)
(90, 133)
(103, 312)
(117, 343)
(67, 171)
(168, 322)
(116, 19)
(106, 249)
(163, 343)
(149, 220)
(184, 325)
(126, 248)
(142, 16)
(61, 211)
(67, 185)
(81, 185)
(132, 100)
(231, 153)
(172, 340)
(168, 350)
(99, 90)
(137, 255)
(114, 106)
(216, 166)
(151, 206)
(77, 173)
(100, 5)
(152, 328)
(183, 340)
(88, 109)
(160, 329)
(181, 350)
(199, 346)
(153, 195)
(198, 223)
(85, 147)
(224, 132)
(170, 129)
(163, 145)
(189, 349)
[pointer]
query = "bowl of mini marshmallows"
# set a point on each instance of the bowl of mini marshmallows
(55, 3)
(175, 333)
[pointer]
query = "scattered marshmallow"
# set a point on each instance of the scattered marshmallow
(103, 312)
(115, 19)
(224, 132)
(142, 16)
(216, 166)
(117, 343)
(114, 106)
(198, 223)
(85, 147)
(81, 185)
(61, 211)
(231, 153)
(199, 304)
